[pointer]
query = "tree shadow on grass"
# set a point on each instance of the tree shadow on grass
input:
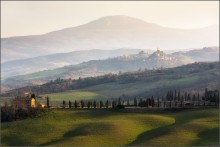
(82, 130)
(148, 135)
(15, 139)
(208, 137)
(157, 132)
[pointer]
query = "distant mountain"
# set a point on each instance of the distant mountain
(48, 62)
(109, 32)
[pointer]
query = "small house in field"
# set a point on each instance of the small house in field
(24, 102)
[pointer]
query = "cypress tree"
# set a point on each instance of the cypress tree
(88, 104)
(106, 104)
(48, 103)
(119, 101)
(135, 102)
(64, 104)
(185, 96)
(82, 104)
(175, 95)
(140, 103)
(101, 104)
(94, 104)
(158, 102)
(75, 104)
(194, 99)
(179, 95)
(152, 101)
(70, 104)
(128, 104)
(182, 101)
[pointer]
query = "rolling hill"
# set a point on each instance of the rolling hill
(92, 68)
(48, 62)
(114, 128)
(53, 61)
(191, 77)
(110, 32)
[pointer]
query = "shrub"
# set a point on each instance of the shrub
(120, 106)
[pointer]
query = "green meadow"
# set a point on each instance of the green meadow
(95, 127)
(72, 95)
(114, 90)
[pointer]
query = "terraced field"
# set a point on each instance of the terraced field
(97, 127)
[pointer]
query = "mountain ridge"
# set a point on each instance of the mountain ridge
(121, 35)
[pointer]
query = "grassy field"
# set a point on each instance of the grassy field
(72, 95)
(112, 128)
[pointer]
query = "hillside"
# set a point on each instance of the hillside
(190, 77)
(52, 61)
(112, 128)
(110, 32)
(126, 63)
(204, 54)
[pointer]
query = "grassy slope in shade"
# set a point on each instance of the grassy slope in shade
(72, 95)
(109, 128)
(114, 89)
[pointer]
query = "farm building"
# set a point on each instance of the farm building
(25, 102)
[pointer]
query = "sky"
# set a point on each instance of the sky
(20, 18)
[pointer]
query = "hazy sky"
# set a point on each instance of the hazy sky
(28, 18)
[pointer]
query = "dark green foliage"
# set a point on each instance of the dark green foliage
(48, 103)
(140, 104)
(158, 102)
(70, 104)
(175, 96)
(64, 104)
(178, 97)
(106, 104)
(89, 104)
(188, 97)
(119, 101)
(11, 114)
(128, 103)
(135, 102)
(33, 96)
(7, 114)
(185, 96)
(82, 104)
(114, 104)
(94, 104)
(120, 106)
(75, 104)
(101, 104)
(152, 101)
(194, 99)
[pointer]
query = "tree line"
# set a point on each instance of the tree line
(173, 98)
